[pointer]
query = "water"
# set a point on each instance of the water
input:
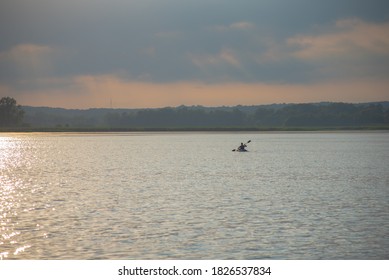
(187, 196)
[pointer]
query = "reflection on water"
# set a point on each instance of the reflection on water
(187, 196)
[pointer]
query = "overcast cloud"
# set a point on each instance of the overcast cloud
(49, 46)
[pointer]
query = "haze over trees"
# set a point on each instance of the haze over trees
(11, 114)
(277, 116)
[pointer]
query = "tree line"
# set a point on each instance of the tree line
(309, 115)
(292, 115)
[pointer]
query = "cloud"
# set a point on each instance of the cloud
(27, 55)
(240, 25)
(348, 37)
(28, 60)
(229, 57)
(345, 49)
(222, 58)
(71, 46)
(99, 91)
(26, 50)
(168, 34)
(350, 48)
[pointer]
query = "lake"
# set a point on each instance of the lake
(308, 195)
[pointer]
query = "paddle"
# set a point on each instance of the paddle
(234, 150)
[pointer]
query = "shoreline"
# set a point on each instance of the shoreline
(194, 129)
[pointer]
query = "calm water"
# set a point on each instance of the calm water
(187, 196)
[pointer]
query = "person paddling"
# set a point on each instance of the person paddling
(242, 147)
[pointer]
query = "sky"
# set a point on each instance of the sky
(158, 53)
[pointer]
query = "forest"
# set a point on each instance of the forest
(325, 115)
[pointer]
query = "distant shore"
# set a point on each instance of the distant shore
(323, 116)
(190, 129)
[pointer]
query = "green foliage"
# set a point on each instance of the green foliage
(11, 114)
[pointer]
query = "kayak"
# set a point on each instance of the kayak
(242, 147)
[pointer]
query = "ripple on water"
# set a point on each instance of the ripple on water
(99, 196)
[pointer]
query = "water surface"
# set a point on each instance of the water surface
(188, 196)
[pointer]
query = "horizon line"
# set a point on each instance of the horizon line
(204, 106)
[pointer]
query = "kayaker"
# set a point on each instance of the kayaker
(242, 147)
